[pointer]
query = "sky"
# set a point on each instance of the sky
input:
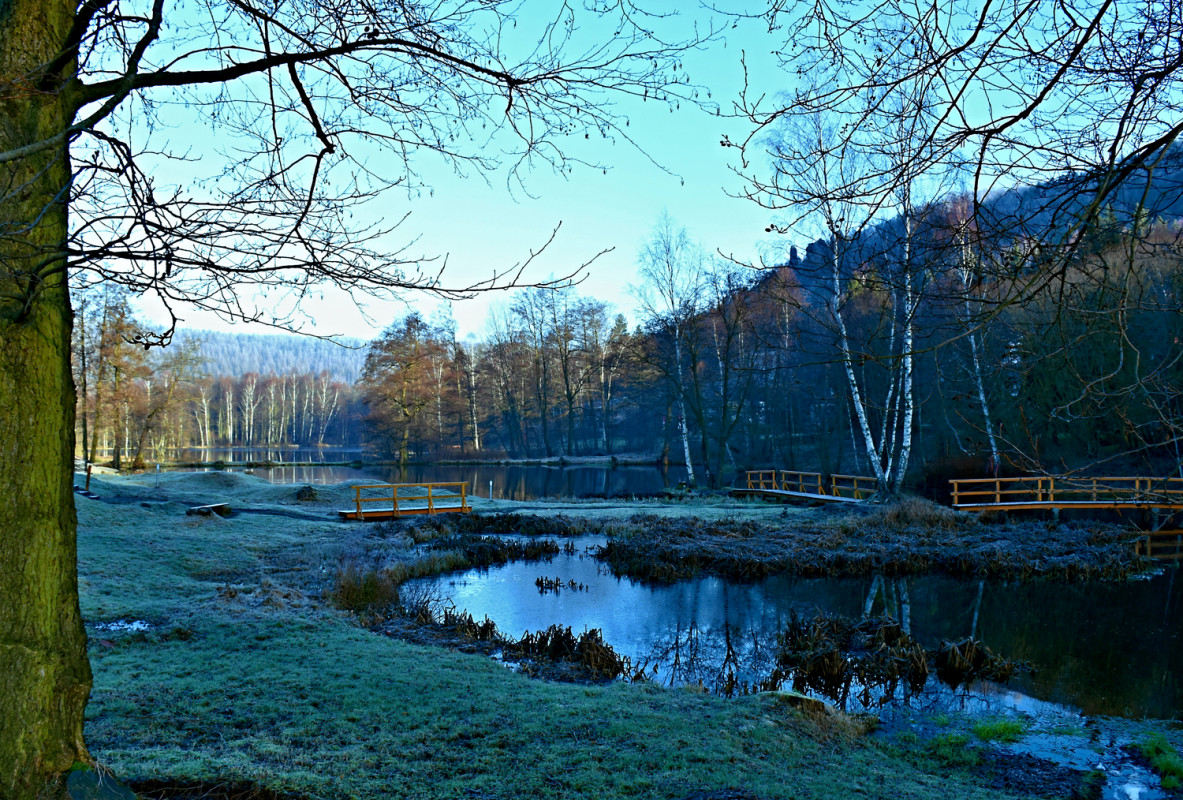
(478, 226)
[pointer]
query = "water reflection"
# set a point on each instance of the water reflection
(501, 482)
(1101, 648)
(534, 482)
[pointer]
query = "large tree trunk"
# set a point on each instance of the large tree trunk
(46, 677)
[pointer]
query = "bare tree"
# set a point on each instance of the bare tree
(303, 93)
(1054, 114)
(670, 267)
(1088, 93)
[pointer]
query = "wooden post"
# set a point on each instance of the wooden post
(997, 491)
(357, 500)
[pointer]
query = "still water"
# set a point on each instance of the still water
(1100, 648)
(509, 482)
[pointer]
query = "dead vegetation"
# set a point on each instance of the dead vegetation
(431, 528)
(556, 653)
(873, 658)
(910, 537)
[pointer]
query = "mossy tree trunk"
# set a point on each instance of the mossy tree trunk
(46, 677)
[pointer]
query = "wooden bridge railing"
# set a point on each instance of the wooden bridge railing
(851, 487)
(401, 499)
(1052, 491)
(786, 480)
(1162, 545)
(856, 487)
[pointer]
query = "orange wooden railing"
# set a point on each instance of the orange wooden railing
(1050, 491)
(406, 498)
(857, 487)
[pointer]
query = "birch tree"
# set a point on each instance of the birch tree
(670, 269)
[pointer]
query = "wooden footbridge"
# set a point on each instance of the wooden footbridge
(786, 484)
(1061, 492)
(390, 500)
(1151, 497)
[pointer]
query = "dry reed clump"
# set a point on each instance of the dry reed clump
(361, 587)
(529, 525)
(830, 655)
(588, 652)
(874, 657)
(910, 513)
(968, 660)
(557, 585)
(554, 653)
(483, 551)
(373, 588)
(432, 528)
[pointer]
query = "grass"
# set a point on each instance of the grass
(250, 675)
(953, 750)
(1164, 759)
(1000, 729)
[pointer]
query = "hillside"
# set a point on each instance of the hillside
(242, 353)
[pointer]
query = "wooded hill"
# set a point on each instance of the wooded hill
(233, 354)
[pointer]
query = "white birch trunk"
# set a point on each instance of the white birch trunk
(852, 380)
(682, 408)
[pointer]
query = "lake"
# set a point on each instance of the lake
(1098, 648)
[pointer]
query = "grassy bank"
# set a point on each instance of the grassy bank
(247, 675)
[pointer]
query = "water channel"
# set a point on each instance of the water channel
(1098, 648)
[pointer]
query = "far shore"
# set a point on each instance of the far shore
(632, 460)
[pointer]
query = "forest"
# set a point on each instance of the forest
(205, 390)
(849, 358)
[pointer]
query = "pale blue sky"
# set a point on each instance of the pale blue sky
(480, 227)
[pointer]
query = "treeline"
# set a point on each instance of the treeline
(919, 349)
(906, 354)
(137, 404)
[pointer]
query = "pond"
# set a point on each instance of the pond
(534, 481)
(508, 481)
(1099, 648)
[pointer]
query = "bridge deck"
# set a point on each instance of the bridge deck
(787, 495)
